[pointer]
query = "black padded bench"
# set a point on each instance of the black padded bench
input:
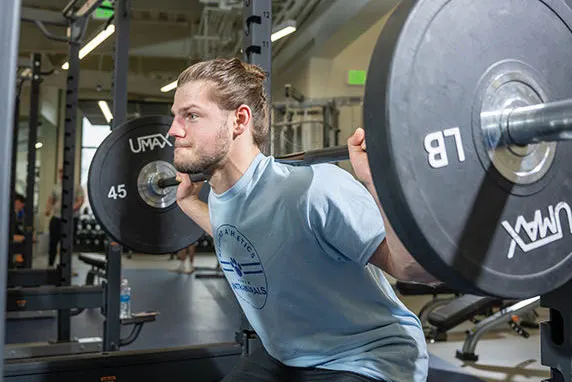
(417, 289)
(460, 310)
(442, 295)
(94, 259)
(98, 264)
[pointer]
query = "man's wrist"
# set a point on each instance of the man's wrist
(190, 202)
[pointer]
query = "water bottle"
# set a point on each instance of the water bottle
(125, 299)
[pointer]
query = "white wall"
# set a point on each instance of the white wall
(45, 156)
(49, 105)
(323, 77)
(297, 75)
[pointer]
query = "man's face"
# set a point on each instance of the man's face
(202, 131)
(18, 205)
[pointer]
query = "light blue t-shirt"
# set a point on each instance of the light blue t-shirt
(294, 244)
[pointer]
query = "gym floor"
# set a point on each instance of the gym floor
(197, 311)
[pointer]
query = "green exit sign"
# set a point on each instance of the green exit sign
(356, 77)
(104, 12)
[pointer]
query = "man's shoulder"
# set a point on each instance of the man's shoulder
(330, 177)
(331, 170)
(276, 171)
(332, 185)
(319, 180)
(282, 180)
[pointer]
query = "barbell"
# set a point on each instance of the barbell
(466, 106)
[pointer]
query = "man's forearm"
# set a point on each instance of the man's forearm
(403, 266)
(49, 206)
(198, 211)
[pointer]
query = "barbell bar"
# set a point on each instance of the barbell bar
(519, 126)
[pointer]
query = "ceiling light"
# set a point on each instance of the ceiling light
(283, 30)
(94, 43)
(170, 86)
(105, 110)
(278, 32)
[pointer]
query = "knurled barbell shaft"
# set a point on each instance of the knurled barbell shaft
(548, 122)
(327, 155)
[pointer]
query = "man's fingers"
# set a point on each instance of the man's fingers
(183, 178)
(357, 139)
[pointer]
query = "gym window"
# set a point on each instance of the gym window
(92, 137)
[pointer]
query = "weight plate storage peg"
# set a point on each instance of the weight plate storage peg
(124, 194)
(482, 216)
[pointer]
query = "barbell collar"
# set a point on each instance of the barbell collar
(548, 122)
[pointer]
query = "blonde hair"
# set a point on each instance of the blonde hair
(234, 83)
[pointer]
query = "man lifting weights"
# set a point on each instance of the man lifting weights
(302, 247)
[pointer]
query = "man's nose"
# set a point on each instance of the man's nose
(176, 129)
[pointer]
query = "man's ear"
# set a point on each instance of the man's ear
(243, 116)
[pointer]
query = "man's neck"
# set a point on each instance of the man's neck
(236, 164)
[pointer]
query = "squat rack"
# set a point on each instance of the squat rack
(257, 16)
(69, 300)
(30, 71)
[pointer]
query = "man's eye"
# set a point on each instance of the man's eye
(191, 116)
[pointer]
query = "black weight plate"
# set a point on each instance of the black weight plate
(124, 215)
(461, 220)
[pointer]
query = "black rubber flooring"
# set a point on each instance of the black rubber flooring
(192, 312)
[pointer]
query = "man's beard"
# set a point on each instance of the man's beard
(205, 163)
